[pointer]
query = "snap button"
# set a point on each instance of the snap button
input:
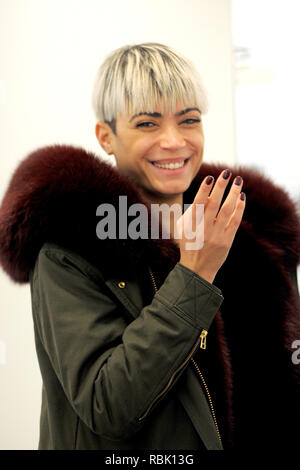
(122, 284)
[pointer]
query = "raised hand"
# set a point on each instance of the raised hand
(220, 225)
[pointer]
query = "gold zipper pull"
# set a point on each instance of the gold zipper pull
(203, 339)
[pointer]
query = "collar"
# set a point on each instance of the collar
(55, 191)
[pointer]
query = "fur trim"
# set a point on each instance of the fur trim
(55, 191)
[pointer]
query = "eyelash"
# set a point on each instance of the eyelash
(144, 124)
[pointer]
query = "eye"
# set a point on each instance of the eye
(145, 124)
(191, 121)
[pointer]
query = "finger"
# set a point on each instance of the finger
(237, 216)
(230, 202)
(204, 190)
(215, 198)
(194, 214)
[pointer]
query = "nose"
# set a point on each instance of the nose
(171, 138)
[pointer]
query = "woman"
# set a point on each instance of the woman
(121, 322)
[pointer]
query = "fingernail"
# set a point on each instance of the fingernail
(209, 180)
(242, 196)
(238, 180)
(226, 174)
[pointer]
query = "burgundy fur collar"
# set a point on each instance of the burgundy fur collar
(54, 193)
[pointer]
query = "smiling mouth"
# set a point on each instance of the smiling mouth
(176, 163)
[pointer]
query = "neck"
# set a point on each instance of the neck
(168, 220)
(163, 199)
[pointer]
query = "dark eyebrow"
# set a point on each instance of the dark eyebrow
(184, 111)
(187, 110)
(145, 114)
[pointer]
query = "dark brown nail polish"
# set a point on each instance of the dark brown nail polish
(226, 174)
(209, 180)
(238, 180)
(242, 196)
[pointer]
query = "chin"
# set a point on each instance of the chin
(176, 189)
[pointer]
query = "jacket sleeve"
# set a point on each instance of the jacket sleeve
(112, 372)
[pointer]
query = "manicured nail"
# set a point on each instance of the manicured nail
(238, 180)
(226, 174)
(242, 196)
(209, 180)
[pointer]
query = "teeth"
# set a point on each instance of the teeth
(169, 166)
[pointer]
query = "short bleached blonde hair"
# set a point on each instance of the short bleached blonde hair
(134, 79)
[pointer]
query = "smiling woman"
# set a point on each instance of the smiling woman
(136, 348)
(152, 124)
(162, 154)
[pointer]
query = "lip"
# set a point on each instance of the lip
(168, 171)
(170, 160)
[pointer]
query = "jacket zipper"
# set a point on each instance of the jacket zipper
(165, 389)
(201, 341)
(208, 396)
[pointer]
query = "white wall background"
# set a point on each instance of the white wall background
(267, 93)
(49, 54)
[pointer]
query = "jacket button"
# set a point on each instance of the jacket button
(122, 284)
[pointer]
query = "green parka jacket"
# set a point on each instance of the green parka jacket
(120, 325)
(115, 370)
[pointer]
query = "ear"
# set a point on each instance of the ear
(104, 136)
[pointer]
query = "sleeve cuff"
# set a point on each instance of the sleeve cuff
(190, 296)
(205, 282)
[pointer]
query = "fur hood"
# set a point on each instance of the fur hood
(53, 196)
(55, 191)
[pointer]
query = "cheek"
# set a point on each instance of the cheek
(124, 153)
(201, 141)
(199, 145)
(142, 147)
(131, 156)
(142, 153)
